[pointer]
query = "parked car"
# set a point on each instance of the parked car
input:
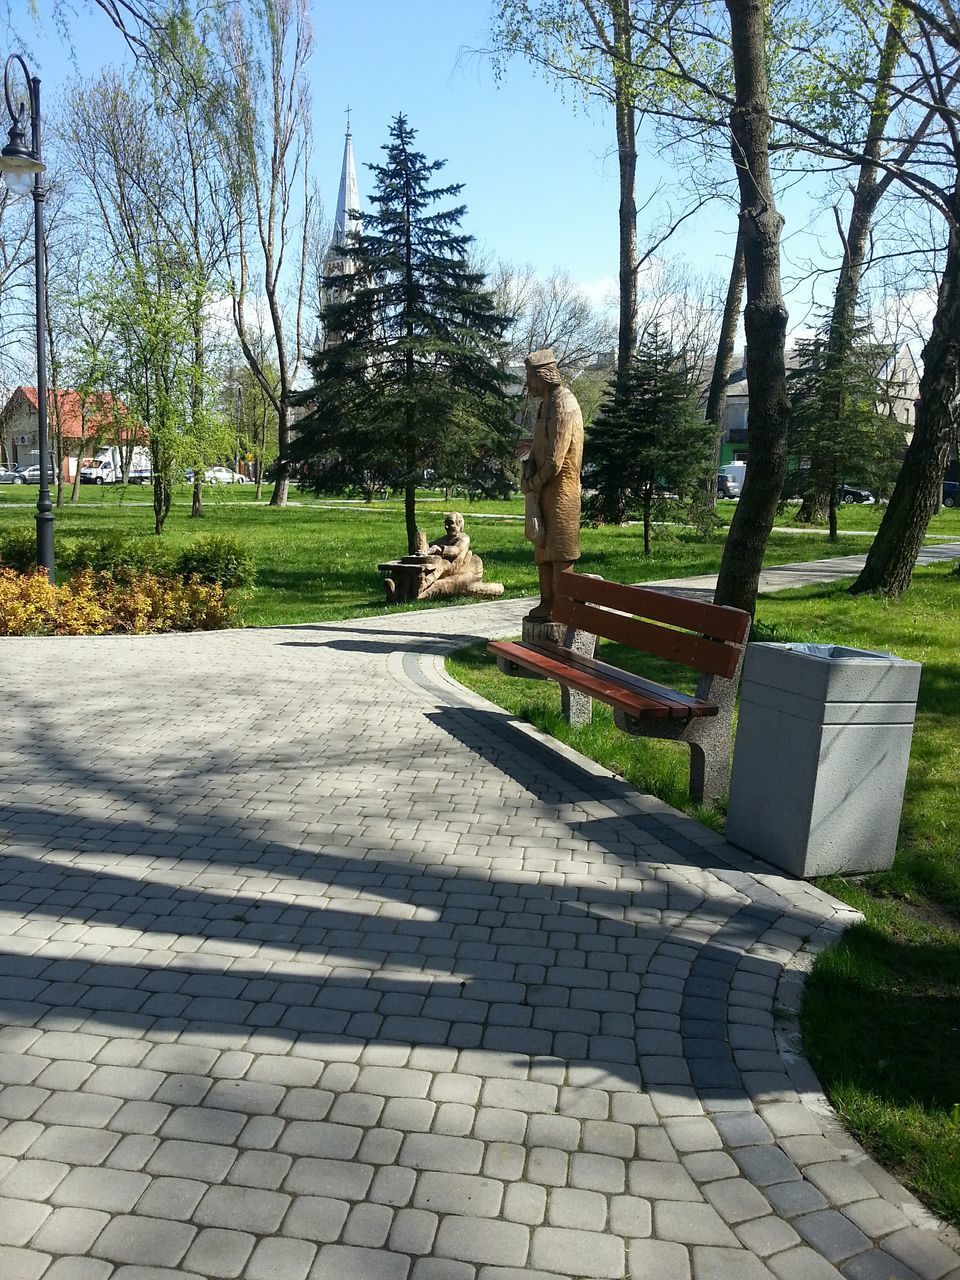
(951, 492)
(853, 493)
(223, 475)
(727, 486)
(10, 477)
(31, 475)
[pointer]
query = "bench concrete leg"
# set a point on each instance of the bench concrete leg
(577, 707)
(709, 770)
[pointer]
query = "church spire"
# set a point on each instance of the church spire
(348, 201)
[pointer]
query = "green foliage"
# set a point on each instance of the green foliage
(649, 437)
(840, 409)
(18, 549)
(113, 552)
(217, 557)
(407, 382)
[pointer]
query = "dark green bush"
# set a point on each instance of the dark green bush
(18, 549)
(114, 553)
(217, 558)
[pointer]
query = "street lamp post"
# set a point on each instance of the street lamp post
(22, 166)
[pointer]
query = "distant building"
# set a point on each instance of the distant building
(98, 418)
(346, 225)
(896, 370)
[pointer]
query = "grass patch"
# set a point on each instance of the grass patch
(317, 561)
(881, 1016)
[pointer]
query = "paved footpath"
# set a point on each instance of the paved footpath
(356, 978)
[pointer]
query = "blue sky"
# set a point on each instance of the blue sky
(539, 171)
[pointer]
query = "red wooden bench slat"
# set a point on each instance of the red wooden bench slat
(611, 691)
(678, 646)
(691, 706)
(719, 622)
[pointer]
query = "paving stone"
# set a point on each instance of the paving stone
(875, 1218)
(630, 1216)
(597, 1173)
(171, 1198)
(876, 1265)
(840, 1183)
(281, 1258)
(658, 1180)
(413, 1231)
(393, 1186)
(658, 1258)
(710, 1166)
(442, 1269)
(204, 1160)
(368, 1225)
(22, 1264)
(434, 1151)
(152, 1242)
(764, 1236)
(727, 1264)
(736, 1200)
(219, 1253)
(76, 1268)
(346, 1262)
(33, 1179)
(74, 1144)
(20, 1219)
(316, 1218)
(578, 1252)
(70, 1230)
(570, 1208)
(802, 1264)
(687, 1223)
(112, 1190)
(257, 1210)
(482, 1240)
(459, 1193)
(832, 1235)
(922, 1251)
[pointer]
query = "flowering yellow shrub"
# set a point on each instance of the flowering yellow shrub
(93, 604)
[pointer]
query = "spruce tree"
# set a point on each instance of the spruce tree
(649, 437)
(841, 416)
(408, 376)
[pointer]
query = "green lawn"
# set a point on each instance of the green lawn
(317, 560)
(856, 516)
(882, 1011)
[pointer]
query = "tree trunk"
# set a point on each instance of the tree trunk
(866, 197)
(765, 316)
(893, 553)
(717, 395)
(162, 498)
(646, 522)
(196, 505)
(281, 488)
(627, 157)
(75, 491)
(834, 494)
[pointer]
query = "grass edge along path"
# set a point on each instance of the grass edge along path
(881, 1013)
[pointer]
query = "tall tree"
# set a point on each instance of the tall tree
(839, 416)
(649, 437)
(265, 142)
(412, 373)
(765, 316)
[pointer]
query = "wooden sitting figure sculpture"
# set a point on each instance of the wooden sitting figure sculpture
(446, 567)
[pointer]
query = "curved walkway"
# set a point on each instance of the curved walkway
(353, 977)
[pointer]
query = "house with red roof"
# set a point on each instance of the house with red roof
(95, 420)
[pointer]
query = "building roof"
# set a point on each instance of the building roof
(346, 223)
(102, 409)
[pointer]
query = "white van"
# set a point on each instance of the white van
(99, 471)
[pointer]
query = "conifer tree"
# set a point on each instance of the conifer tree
(841, 417)
(649, 437)
(408, 375)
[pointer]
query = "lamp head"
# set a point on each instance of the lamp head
(18, 164)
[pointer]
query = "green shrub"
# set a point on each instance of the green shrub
(18, 550)
(114, 553)
(217, 558)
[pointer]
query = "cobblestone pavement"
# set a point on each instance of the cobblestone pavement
(313, 964)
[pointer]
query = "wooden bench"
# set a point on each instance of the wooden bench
(707, 638)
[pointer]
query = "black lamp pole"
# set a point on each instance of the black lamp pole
(18, 162)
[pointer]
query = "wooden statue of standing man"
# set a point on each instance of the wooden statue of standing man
(551, 477)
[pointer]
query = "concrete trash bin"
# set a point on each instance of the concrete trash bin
(821, 754)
